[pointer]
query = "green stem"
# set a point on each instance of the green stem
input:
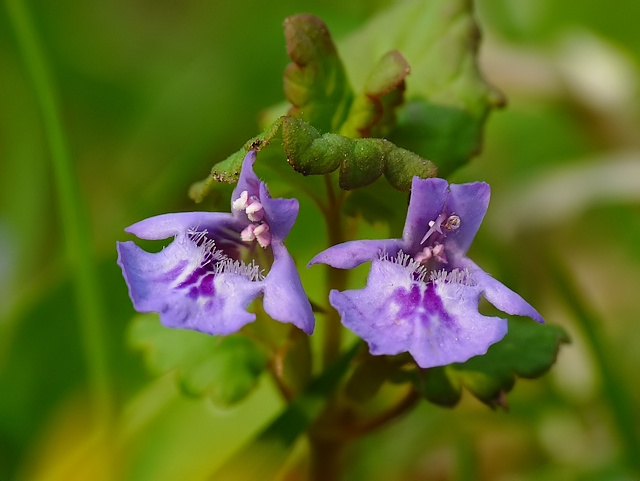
(326, 459)
(336, 278)
(466, 458)
(394, 412)
(618, 397)
(74, 223)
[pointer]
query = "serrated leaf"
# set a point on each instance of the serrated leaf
(226, 369)
(315, 82)
(528, 351)
(373, 112)
(361, 161)
(228, 170)
(439, 39)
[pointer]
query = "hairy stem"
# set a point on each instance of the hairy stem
(70, 203)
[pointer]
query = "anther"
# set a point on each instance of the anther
(248, 233)
(439, 254)
(263, 235)
(255, 212)
(241, 202)
(424, 255)
(452, 223)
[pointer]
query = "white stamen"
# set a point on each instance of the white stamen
(263, 235)
(255, 212)
(438, 253)
(424, 255)
(248, 233)
(241, 202)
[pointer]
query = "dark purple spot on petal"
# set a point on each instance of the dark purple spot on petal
(408, 301)
(421, 304)
(433, 304)
(195, 276)
(206, 286)
(173, 273)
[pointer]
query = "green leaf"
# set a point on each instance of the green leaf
(361, 161)
(225, 369)
(448, 100)
(528, 350)
(379, 202)
(373, 113)
(228, 170)
(437, 386)
(315, 82)
(447, 135)
(293, 362)
(42, 363)
(401, 166)
(367, 378)
(264, 456)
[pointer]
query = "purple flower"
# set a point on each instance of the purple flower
(422, 293)
(205, 279)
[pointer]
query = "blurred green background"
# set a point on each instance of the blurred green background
(155, 92)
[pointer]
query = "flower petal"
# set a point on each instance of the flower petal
(150, 276)
(217, 224)
(369, 313)
(500, 295)
(427, 202)
(456, 331)
(185, 295)
(438, 323)
(227, 312)
(248, 180)
(279, 213)
(470, 203)
(284, 298)
(353, 253)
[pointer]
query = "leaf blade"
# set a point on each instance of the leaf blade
(439, 39)
(262, 457)
(225, 369)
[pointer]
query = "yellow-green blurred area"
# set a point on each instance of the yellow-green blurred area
(153, 93)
